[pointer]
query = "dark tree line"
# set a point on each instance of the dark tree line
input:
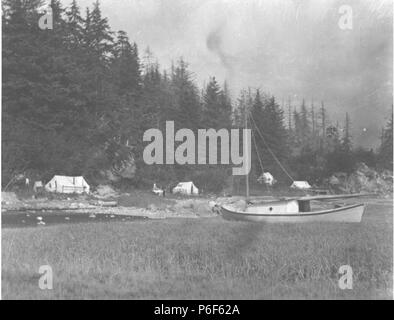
(77, 99)
(321, 147)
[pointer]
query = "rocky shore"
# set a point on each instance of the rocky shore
(190, 208)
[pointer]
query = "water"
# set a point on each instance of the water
(20, 219)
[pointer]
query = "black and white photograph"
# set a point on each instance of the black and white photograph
(208, 150)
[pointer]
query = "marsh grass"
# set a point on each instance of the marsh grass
(201, 258)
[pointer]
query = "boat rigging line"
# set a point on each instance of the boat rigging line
(269, 149)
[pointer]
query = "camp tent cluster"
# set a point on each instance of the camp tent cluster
(77, 184)
(66, 184)
(268, 179)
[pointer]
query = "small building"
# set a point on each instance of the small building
(66, 184)
(187, 188)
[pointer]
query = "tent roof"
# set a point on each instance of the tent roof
(301, 185)
(69, 181)
(188, 183)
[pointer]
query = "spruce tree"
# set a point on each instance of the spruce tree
(386, 147)
(187, 99)
(305, 128)
(346, 140)
(212, 105)
(75, 25)
(225, 107)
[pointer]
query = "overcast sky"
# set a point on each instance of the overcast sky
(288, 48)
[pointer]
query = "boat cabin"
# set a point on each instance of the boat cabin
(280, 207)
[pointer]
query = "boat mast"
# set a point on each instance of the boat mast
(247, 153)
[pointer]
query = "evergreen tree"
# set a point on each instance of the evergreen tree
(289, 115)
(126, 79)
(126, 65)
(297, 131)
(313, 119)
(323, 117)
(187, 99)
(275, 129)
(225, 107)
(270, 122)
(212, 105)
(386, 148)
(305, 128)
(97, 34)
(346, 140)
(75, 26)
(240, 109)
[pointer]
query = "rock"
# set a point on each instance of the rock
(237, 203)
(181, 205)
(111, 176)
(212, 204)
(152, 208)
(333, 180)
(124, 169)
(362, 167)
(128, 170)
(107, 203)
(188, 204)
(387, 175)
(202, 208)
(363, 180)
(199, 207)
(240, 205)
(105, 191)
(9, 198)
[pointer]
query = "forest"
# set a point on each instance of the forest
(78, 98)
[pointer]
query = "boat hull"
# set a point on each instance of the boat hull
(351, 213)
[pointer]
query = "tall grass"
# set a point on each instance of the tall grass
(201, 258)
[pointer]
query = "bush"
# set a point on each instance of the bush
(212, 179)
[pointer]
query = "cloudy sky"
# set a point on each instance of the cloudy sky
(289, 48)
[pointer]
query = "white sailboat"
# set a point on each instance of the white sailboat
(293, 209)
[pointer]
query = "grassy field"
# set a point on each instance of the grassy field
(201, 258)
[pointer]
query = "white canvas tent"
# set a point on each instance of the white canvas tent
(65, 184)
(186, 188)
(267, 178)
(300, 185)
